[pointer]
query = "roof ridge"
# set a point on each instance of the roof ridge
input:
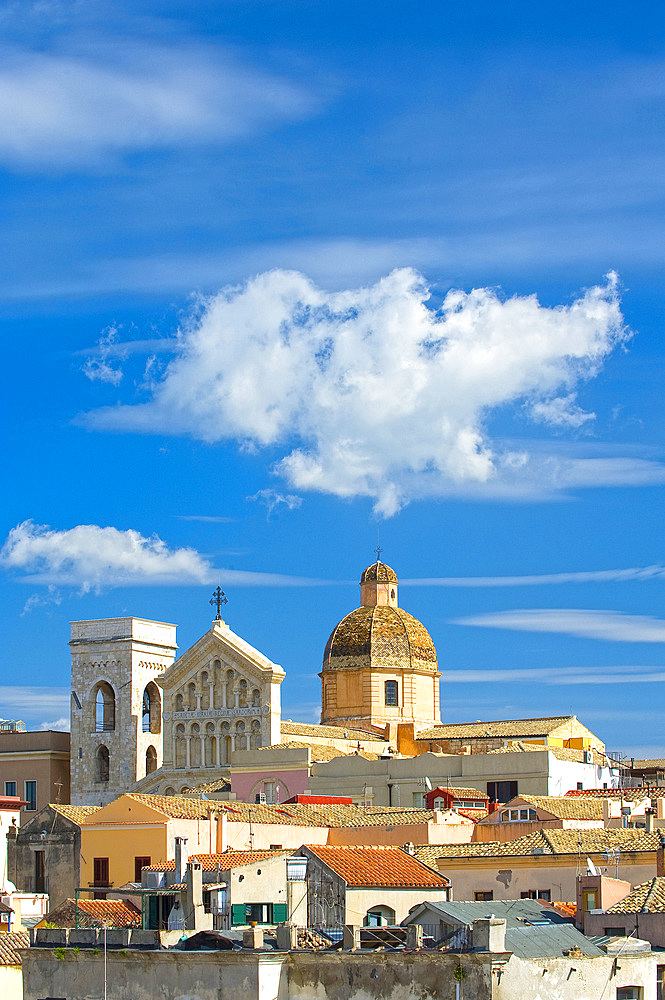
(647, 898)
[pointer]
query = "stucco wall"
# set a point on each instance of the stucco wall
(176, 975)
(11, 982)
(62, 853)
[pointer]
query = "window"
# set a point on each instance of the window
(151, 711)
(262, 913)
(269, 787)
(102, 764)
(590, 899)
(580, 786)
(379, 916)
(100, 868)
(391, 693)
(518, 815)
(501, 791)
(660, 982)
(31, 795)
(419, 801)
(10, 788)
(537, 894)
(150, 760)
(104, 708)
(630, 993)
(139, 864)
(484, 896)
(615, 932)
(40, 872)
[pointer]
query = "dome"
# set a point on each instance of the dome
(380, 573)
(380, 636)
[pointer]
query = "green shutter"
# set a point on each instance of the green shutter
(238, 914)
(279, 913)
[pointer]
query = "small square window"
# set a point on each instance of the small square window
(10, 788)
(391, 693)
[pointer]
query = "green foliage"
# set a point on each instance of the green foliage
(459, 972)
(96, 951)
(59, 954)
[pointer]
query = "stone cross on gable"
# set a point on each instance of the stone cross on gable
(219, 598)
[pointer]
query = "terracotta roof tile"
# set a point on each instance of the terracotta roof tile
(95, 913)
(9, 945)
(467, 793)
(503, 727)
(649, 897)
(220, 785)
(629, 794)
(77, 814)
(378, 866)
(557, 842)
(566, 808)
(225, 861)
(321, 752)
(289, 728)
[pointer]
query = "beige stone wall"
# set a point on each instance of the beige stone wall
(126, 654)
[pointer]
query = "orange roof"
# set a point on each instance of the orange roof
(96, 913)
(378, 866)
(229, 859)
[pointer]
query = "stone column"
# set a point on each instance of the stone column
(187, 752)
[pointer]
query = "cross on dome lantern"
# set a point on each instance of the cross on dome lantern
(219, 598)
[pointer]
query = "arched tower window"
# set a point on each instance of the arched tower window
(102, 763)
(152, 709)
(104, 708)
(392, 693)
(150, 760)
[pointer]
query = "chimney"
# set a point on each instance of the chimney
(648, 820)
(179, 841)
(660, 860)
(194, 915)
(489, 934)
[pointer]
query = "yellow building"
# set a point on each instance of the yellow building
(380, 666)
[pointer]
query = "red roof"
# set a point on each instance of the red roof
(209, 862)
(378, 866)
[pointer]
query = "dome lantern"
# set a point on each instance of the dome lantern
(378, 586)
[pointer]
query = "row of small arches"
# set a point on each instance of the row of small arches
(210, 746)
(217, 690)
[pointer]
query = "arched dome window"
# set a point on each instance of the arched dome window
(104, 708)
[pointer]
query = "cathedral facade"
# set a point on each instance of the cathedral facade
(143, 720)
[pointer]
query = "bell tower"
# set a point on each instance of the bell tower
(116, 707)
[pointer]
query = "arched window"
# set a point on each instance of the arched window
(210, 745)
(379, 916)
(392, 693)
(256, 698)
(179, 703)
(104, 708)
(152, 709)
(170, 790)
(180, 747)
(255, 737)
(243, 694)
(195, 746)
(191, 690)
(102, 763)
(150, 760)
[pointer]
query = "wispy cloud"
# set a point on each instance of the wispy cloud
(31, 701)
(273, 500)
(51, 596)
(206, 518)
(541, 579)
(98, 367)
(368, 392)
(79, 104)
(613, 626)
(558, 676)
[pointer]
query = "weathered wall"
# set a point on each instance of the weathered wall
(647, 926)
(62, 853)
(177, 975)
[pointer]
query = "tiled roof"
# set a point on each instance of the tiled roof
(427, 854)
(177, 806)
(503, 727)
(9, 945)
(629, 794)
(656, 762)
(557, 842)
(378, 866)
(379, 636)
(321, 752)
(561, 753)
(467, 793)
(225, 861)
(220, 785)
(289, 728)
(95, 913)
(380, 572)
(649, 897)
(567, 808)
(77, 814)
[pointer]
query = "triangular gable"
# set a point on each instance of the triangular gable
(127, 809)
(222, 644)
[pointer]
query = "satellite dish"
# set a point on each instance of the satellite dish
(591, 868)
(428, 784)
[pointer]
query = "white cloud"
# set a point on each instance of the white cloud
(560, 411)
(92, 556)
(613, 626)
(273, 500)
(80, 105)
(541, 579)
(60, 725)
(89, 556)
(52, 596)
(367, 392)
(28, 701)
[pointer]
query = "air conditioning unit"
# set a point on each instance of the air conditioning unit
(588, 756)
(260, 797)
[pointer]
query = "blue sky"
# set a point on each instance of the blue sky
(282, 278)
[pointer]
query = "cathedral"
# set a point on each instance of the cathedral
(142, 719)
